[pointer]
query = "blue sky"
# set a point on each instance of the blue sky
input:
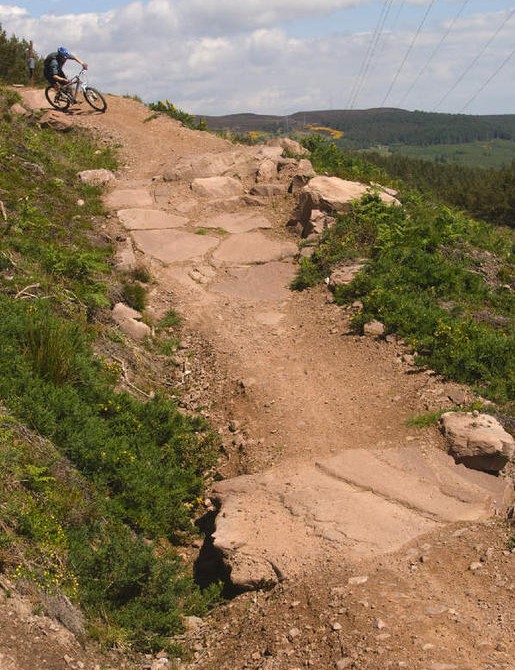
(283, 56)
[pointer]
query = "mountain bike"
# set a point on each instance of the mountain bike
(65, 96)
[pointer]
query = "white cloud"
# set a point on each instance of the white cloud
(223, 56)
(238, 15)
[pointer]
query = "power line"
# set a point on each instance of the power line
(401, 7)
(415, 37)
(370, 53)
(435, 50)
(469, 68)
(485, 84)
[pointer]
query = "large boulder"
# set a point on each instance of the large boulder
(330, 194)
(56, 120)
(477, 440)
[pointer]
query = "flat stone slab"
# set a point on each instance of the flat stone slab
(150, 219)
(268, 282)
(253, 247)
(35, 99)
(133, 197)
(358, 504)
(173, 246)
(238, 222)
(216, 187)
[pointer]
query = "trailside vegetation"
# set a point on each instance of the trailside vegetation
(97, 487)
(434, 276)
(13, 60)
(485, 194)
(173, 112)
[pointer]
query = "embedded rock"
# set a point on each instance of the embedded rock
(129, 321)
(344, 274)
(19, 110)
(56, 120)
(374, 328)
(268, 190)
(289, 145)
(359, 504)
(216, 187)
(96, 177)
(477, 440)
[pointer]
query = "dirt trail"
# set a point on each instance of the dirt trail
(367, 525)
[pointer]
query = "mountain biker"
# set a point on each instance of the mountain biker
(53, 65)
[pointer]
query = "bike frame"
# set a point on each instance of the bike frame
(77, 82)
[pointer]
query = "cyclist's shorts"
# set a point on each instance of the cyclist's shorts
(49, 76)
(50, 72)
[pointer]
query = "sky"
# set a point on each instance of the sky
(217, 57)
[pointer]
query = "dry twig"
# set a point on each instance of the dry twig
(126, 379)
(24, 293)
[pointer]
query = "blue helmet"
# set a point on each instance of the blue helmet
(64, 53)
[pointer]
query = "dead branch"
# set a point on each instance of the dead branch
(24, 293)
(126, 379)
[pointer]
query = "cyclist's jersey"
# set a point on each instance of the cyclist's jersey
(53, 65)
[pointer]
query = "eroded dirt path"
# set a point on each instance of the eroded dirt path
(367, 526)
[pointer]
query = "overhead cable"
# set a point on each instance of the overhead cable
(485, 84)
(360, 80)
(434, 52)
(415, 37)
(475, 60)
(401, 7)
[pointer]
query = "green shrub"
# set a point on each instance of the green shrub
(309, 274)
(134, 295)
(52, 347)
(63, 536)
(428, 279)
(169, 109)
(170, 320)
(121, 479)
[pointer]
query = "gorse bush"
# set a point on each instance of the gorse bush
(96, 508)
(433, 277)
(327, 157)
(46, 228)
(148, 456)
(168, 108)
(60, 533)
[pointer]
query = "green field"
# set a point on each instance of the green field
(486, 154)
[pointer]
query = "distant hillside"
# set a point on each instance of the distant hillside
(378, 127)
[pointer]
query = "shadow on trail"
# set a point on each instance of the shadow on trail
(210, 568)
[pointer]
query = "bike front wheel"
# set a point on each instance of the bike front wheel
(95, 99)
(57, 99)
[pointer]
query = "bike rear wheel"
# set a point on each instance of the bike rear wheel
(57, 99)
(95, 99)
